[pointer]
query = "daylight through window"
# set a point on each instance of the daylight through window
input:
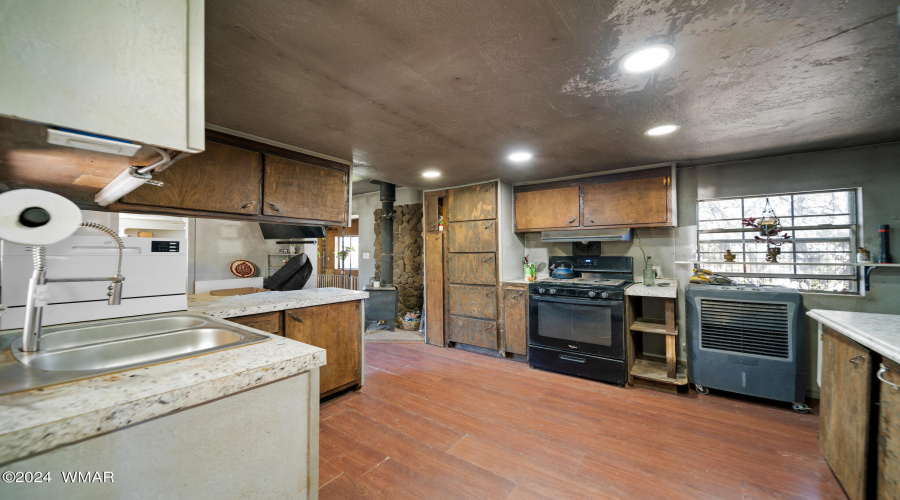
(823, 230)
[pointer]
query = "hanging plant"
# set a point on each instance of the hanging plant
(769, 225)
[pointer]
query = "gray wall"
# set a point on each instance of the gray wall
(364, 206)
(872, 168)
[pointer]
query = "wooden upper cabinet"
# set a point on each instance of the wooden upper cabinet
(304, 191)
(628, 202)
(476, 202)
(547, 209)
(221, 179)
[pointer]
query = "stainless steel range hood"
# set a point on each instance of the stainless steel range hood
(623, 234)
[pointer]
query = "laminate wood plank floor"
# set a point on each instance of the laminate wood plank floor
(444, 423)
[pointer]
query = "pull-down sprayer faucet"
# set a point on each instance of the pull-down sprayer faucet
(37, 295)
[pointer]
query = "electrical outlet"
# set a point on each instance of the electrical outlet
(365, 256)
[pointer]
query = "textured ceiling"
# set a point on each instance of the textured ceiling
(397, 87)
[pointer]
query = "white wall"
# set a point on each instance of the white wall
(872, 168)
(364, 205)
(215, 244)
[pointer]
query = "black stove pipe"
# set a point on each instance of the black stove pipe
(388, 196)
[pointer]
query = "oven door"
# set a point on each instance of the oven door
(581, 325)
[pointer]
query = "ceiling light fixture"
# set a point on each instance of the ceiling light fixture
(648, 58)
(520, 156)
(662, 130)
(431, 174)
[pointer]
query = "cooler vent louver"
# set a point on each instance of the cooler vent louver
(739, 327)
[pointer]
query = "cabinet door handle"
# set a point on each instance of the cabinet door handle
(251, 325)
(491, 223)
(247, 205)
(295, 317)
(856, 359)
(487, 259)
(572, 220)
(273, 206)
(590, 220)
(881, 372)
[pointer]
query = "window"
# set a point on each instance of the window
(823, 230)
(350, 245)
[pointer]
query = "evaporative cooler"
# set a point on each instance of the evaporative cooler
(748, 340)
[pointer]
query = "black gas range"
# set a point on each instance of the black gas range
(577, 325)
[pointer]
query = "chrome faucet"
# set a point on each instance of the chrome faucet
(37, 295)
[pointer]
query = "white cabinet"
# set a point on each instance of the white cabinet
(131, 70)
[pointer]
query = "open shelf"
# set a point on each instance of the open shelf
(651, 326)
(650, 370)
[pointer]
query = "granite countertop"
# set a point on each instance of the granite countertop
(42, 419)
(878, 332)
(666, 292)
(255, 303)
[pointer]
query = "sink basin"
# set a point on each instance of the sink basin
(89, 350)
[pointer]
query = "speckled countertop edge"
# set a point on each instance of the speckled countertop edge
(256, 303)
(35, 421)
(667, 292)
(878, 332)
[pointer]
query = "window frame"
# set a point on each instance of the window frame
(855, 237)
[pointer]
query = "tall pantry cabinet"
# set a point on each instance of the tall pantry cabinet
(466, 258)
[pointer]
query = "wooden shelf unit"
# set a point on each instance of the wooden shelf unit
(647, 370)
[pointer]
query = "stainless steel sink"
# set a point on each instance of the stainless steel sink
(100, 348)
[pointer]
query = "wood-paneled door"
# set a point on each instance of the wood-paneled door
(547, 209)
(514, 329)
(627, 202)
(304, 191)
(335, 328)
(221, 179)
(434, 288)
(844, 406)
(478, 202)
(889, 433)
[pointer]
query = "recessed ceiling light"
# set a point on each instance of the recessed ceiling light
(648, 58)
(662, 129)
(431, 174)
(520, 156)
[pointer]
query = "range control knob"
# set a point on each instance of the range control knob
(592, 294)
(604, 294)
(552, 291)
(542, 290)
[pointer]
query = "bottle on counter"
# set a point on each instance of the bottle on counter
(649, 273)
(884, 232)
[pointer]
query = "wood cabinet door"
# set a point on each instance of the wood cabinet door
(335, 328)
(267, 322)
(472, 236)
(472, 268)
(474, 301)
(305, 191)
(471, 331)
(845, 410)
(888, 486)
(476, 202)
(515, 319)
(547, 209)
(221, 179)
(627, 202)
(434, 288)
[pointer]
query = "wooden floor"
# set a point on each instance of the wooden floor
(443, 423)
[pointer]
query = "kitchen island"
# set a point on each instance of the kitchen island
(330, 318)
(859, 359)
(232, 422)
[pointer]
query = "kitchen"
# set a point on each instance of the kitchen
(285, 113)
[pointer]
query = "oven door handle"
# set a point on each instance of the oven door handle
(569, 300)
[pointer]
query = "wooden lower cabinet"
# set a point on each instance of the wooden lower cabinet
(335, 328)
(268, 322)
(888, 482)
(471, 331)
(845, 406)
(514, 329)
